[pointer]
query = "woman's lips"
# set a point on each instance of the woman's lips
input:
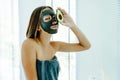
(54, 27)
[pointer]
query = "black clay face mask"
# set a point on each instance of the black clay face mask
(49, 22)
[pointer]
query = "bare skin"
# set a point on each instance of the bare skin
(44, 49)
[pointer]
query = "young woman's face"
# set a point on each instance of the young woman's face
(48, 20)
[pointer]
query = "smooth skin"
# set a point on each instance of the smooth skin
(44, 49)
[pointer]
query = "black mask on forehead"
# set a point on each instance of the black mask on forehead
(46, 25)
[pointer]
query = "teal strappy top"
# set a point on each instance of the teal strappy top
(48, 69)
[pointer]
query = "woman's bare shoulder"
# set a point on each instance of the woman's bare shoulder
(28, 47)
(29, 43)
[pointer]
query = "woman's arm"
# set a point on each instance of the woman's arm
(83, 44)
(29, 60)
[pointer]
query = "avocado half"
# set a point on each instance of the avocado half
(59, 16)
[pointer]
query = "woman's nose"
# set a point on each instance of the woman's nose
(55, 17)
(54, 22)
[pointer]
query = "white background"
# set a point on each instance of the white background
(100, 22)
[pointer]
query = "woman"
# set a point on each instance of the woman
(38, 52)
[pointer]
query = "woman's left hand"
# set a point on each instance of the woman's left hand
(68, 21)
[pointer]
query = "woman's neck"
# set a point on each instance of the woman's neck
(44, 38)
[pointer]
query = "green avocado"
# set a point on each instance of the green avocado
(59, 16)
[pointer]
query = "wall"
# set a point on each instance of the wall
(118, 31)
(98, 20)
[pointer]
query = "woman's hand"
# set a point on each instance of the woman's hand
(68, 21)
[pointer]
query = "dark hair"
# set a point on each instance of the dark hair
(34, 23)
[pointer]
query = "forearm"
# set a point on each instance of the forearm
(80, 36)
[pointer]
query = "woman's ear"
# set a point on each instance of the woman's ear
(39, 28)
